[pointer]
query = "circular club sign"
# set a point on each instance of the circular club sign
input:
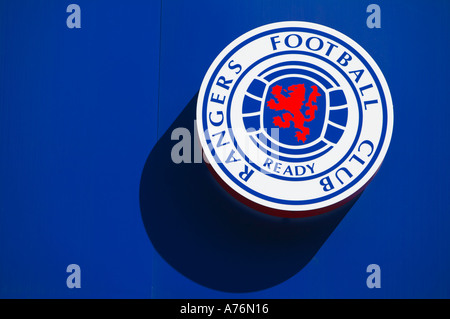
(294, 118)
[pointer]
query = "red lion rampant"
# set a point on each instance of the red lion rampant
(293, 104)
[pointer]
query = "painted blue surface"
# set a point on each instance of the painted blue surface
(77, 121)
(79, 114)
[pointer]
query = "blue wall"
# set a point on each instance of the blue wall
(81, 109)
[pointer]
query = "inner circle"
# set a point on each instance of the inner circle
(261, 169)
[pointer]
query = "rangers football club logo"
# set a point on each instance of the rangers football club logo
(294, 118)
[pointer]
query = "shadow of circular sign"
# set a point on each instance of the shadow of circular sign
(212, 238)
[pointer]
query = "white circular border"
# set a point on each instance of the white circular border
(327, 204)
